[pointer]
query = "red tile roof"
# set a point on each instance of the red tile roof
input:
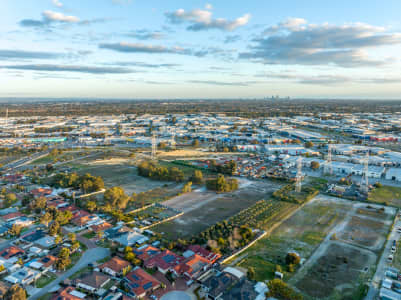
(12, 216)
(192, 266)
(11, 251)
(146, 252)
(210, 256)
(164, 260)
(65, 294)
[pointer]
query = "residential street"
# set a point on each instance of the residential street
(90, 256)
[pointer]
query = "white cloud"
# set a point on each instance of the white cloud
(203, 20)
(208, 6)
(295, 41)
(57, 3)
(59, 17)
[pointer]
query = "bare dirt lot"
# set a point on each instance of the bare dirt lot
(347, 256)
(338, 267)
(204, 208)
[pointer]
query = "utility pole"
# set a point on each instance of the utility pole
(365, 180)
(298, 178)
(328, 168)
(154, 147)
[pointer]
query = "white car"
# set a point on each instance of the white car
(390, 258)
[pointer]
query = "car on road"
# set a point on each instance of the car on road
(390, 258)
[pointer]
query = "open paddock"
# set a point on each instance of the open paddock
(339, 267)
(204, 208)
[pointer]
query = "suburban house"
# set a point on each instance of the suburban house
(115, 266)
(131, 238)
(199, 250)
(23, 276)
(164, 261)
(69, 293)
(140, 282)
(92, 282)
(145, 252)
(192, 267)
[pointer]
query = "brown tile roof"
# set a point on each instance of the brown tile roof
(101, 227)
(116, 264)
(94, 279)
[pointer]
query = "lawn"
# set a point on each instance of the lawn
(80, 272)
(89, 235)
(388, 195)
(45, 279)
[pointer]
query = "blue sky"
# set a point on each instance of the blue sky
(200, 49)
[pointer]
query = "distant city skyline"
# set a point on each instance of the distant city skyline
(200, 49)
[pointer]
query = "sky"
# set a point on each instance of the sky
(168, 49)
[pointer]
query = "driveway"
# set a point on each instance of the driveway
(90, 256)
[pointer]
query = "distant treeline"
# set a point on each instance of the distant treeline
(244, 108)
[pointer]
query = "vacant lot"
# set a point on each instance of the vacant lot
(302, 233)
(119, 172)
(338, 267)
(365, 232)
(346, 258)
(389, 195)
(204, 208)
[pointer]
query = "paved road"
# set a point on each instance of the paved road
(90, 256)
(383, 264)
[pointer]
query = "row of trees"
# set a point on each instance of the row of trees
(155, 171)
(86, 183)
(229, 168)
(222, 184)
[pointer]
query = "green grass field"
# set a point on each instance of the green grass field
(45, 280)
(388, 195)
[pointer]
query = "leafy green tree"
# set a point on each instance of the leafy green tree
(280, 290)
(251, 273)
(54, 228)
(314, 165)
(16, 292)
(116, 197)
(46, 219)
(63, 260)
(9, 200)
(197, 177)
(15, 230)
(187, 187)
(72, 236)
(195, 143)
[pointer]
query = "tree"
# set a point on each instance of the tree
(75, 246)
(280, 290)
(292, 258)
(195, 143)
(91, 206)
(9, 200)
(187, 187)
(46, 219)
(54, 228)
(251, 273)
(63, 260)
(16, 292)
(58, 240)
(309, 144)
(162, 145)
(315, 165)
(15, 230)
(40, 203)
(116, 197)
(197, 177)
(72, 237)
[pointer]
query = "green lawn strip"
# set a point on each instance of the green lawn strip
(45, 279)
